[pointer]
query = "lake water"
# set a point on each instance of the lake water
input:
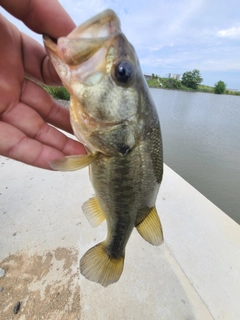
(201, 139)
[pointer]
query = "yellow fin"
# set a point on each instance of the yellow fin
(97, 266)
(71, 163)
(150, 228)
(93, 212)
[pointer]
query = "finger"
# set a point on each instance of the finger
(27, 56)
(11, 67)
(41, 16)
(37, 64)
(49, 109)
(16, 145)
(29, 122)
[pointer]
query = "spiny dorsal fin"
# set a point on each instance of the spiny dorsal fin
(150, 228)
(71, 163)
(93, 212)
(97, 266)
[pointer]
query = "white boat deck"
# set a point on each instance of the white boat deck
(195, 274)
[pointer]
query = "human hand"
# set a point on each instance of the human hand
(26, 110)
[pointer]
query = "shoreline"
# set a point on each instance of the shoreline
(196, 91)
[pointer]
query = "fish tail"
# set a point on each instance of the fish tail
(96, 265)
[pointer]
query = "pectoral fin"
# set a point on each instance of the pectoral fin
(71, 163)
(150, 228)
(93, 212)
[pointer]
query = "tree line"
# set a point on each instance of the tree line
(190, 79)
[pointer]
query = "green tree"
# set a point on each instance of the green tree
(192, 79)
(220, 87)
(171, 83)
(154, 76)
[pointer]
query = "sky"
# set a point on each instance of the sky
(173, 36)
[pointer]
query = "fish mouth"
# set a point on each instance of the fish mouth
(50, 43)
(86, 61)
(84, 41)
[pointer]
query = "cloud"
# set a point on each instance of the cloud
(85, 9)
(233, 32)
(171, 35)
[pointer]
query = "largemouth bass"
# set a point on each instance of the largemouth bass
(113, 115)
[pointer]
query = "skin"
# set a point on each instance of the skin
(26, 110)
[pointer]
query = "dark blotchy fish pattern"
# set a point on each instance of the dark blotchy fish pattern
(113, 115)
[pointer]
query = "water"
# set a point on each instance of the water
(201, 139)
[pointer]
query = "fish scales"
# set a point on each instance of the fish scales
(114, 116)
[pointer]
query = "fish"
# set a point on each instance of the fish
(113, 115)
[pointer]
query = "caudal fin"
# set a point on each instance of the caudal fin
(97, 266)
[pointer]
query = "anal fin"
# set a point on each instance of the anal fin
(71, 163)
(93, 212)
(150, 228)
(97, 266)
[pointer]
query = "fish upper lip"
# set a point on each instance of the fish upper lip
(102, 28)
(85, 48)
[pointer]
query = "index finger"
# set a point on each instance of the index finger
(41, 16)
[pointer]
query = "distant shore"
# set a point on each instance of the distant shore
(173, 84)
(190, 91)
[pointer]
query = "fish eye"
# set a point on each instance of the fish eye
(123, 71)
